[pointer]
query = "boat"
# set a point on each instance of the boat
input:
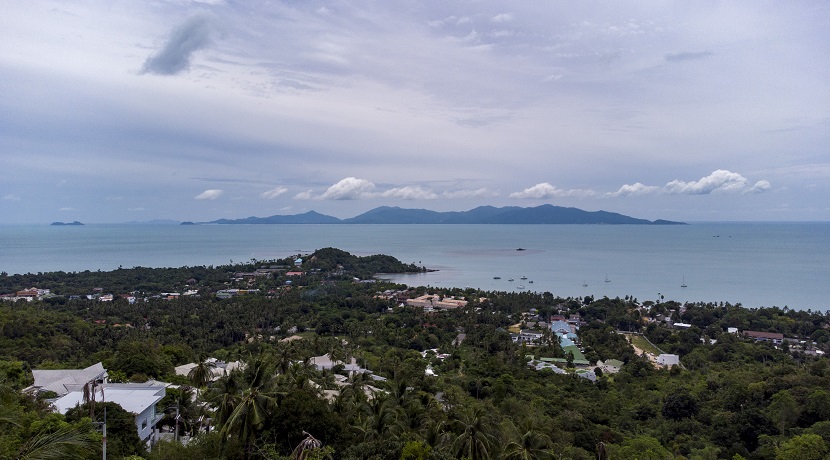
(520, 287)
(531, 281)
(684, 281)
(606, 278)
(497, 277)
(524, 278)
(521, 249)
(510, 279)
(584, 284)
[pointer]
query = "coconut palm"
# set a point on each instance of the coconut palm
(527, 443)
(284, 356)
(305, 447)
(474, 429)
(253, 406)
(224, 396)
(89, 390)
(71, 441)
(202, 373)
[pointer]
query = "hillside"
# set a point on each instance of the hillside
(544, 214)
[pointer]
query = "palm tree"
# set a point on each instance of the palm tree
(252, 409)
(253, 406)
(284, 356)
(202, 373)
(224, 397)
(89, 395)
(305, 447)
(527, 442)
(70, 441)
(474, 440)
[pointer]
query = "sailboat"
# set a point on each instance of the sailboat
(584, 284)
(606, 278)
(684, 281)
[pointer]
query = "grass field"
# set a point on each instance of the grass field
(640, 342)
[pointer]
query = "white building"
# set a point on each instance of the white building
(63, 381)
(138, 398)
(668, 360)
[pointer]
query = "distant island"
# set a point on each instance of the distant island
(66, 223)
(544, 214)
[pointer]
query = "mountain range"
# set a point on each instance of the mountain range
(544, 214)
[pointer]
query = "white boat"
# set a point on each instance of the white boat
(510, 279)
(520, 287)
(684, 281)
(524, 278)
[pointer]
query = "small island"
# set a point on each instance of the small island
(187, 222)
(67, 223)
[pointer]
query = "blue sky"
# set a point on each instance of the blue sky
(117, 111)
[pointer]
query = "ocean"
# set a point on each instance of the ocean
(754, 264)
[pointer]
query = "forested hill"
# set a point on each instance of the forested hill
(480, 376)
(544, 214)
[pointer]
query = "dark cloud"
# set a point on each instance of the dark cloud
(193, 35)
(688, 56)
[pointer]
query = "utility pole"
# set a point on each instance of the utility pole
(176, 436)
(105, 433)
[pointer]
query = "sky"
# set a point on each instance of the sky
(120, 111)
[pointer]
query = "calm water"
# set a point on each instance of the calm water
(755, 264)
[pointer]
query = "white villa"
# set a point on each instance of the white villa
(68, 385)
(138, 398)
(63, 381)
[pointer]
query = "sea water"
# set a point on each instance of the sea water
(754, 264)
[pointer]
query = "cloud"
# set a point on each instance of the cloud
(502, 17)
(349, 188)
(409, 193)
(174, 57)
(209, 195)
(67, 209)
(635, 189)
(688, 56)
(478, 193)
(720, 181)
(760, 186)
(273, 193)
(307, 195)
(546, 190)
(11, 197)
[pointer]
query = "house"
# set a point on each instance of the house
(586, 374)
(610, 366)
(219, 368)
(772, 337)
(527, 336)
(561, 326)
(542, 364)
(436, 302)
(138, 398)
(63, 381)
(669, 360)
(325, 362)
